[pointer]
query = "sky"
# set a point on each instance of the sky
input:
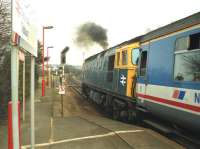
(123, 20)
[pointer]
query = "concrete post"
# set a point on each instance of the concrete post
(14, 89)
(24, 102)
(32, 91)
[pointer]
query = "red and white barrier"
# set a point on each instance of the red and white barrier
(10, 133)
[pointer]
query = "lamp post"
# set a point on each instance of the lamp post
(43, 81)
(48, 64)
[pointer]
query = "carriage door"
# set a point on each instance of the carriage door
(142, 75)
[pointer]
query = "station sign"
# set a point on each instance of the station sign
(22, 25)
(61, 90)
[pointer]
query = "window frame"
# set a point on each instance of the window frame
(118, 58)
(109, 71)
(126, 51)
(182, 52)
(189, 48)
(138, 56)
(176, 42)
(139, 65)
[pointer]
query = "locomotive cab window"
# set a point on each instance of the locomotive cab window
(187, 61)
(111, 61)
(124, 57)
(143, 63)
(135, 56)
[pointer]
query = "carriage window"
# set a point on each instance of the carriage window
(111, 61)
(118, 58)
(143, 63)
(195, 41)
(124, 57)
(135, 56)
(182, 43)
(187, 63)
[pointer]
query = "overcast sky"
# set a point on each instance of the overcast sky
(123, 19)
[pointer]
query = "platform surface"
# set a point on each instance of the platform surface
(82, 127)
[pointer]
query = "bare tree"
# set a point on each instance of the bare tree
(5, 21)
(5, 26)
(5, 36)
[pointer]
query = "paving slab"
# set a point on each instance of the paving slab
(145, 140)
(110, 142)
(110, 124)
(74, 127)
(43, 113)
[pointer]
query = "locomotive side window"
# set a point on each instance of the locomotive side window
(143, 63)
(111, 61)
(187, 62)
(124, 57)
(118, 58)
(135, 56)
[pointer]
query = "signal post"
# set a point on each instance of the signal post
(61, 77)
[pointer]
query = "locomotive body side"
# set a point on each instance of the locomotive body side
(95, 71)
(109, 78)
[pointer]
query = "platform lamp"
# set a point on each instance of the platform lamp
(43, 81)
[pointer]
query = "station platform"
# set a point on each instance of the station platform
(94, 132)
(84, 127)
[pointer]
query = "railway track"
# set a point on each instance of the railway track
(186, 140)
(75, 85)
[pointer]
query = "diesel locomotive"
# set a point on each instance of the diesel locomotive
(154, 75)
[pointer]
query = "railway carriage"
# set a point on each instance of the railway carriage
(157, 74)
(168, 82)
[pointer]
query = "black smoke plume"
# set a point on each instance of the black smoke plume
(90, 33)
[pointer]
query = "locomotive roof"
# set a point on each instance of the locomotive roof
(173, 27)
(136, 39)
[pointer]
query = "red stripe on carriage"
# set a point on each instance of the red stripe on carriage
(170, 102)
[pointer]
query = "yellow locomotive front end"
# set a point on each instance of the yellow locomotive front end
(126, 61)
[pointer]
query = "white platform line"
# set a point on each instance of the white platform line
(127, 131)
(51, 130)
(83, 138)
